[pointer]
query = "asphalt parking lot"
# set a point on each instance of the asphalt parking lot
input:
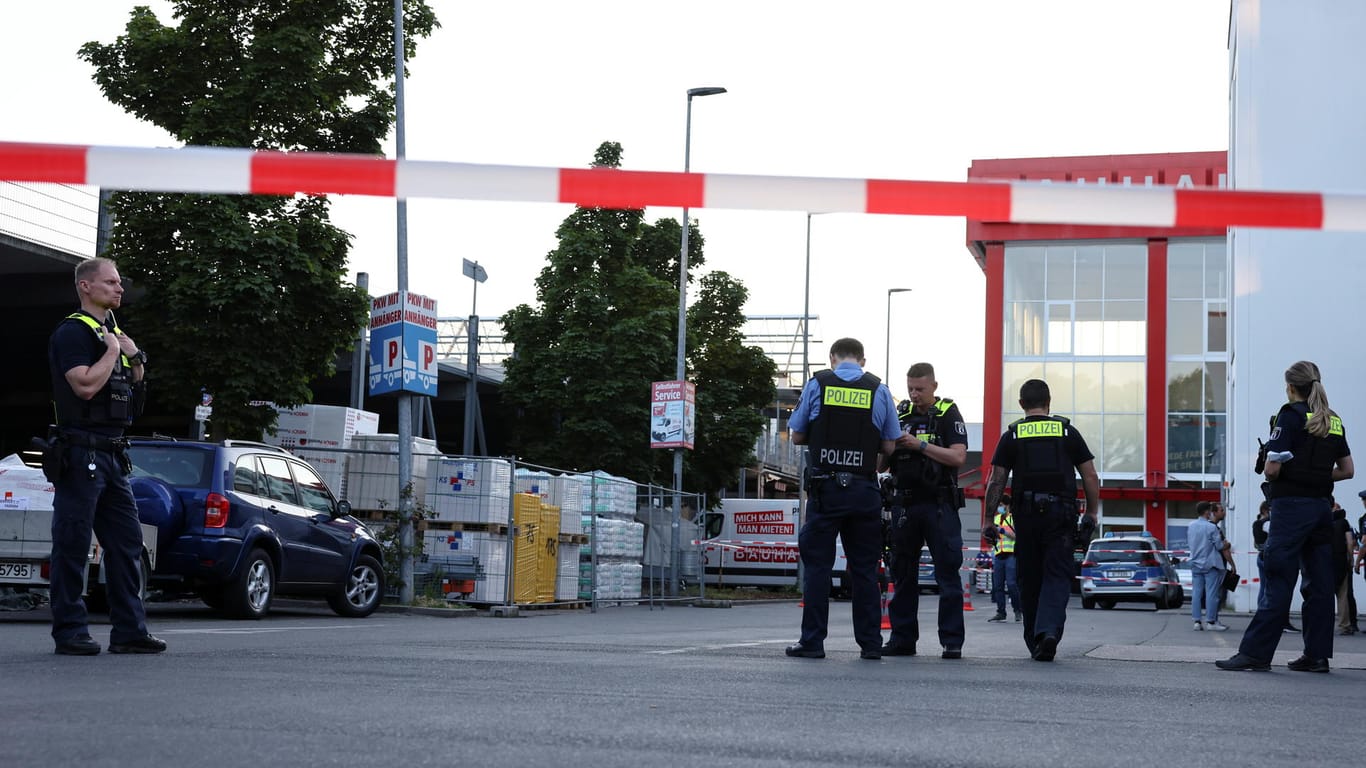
(633, 686)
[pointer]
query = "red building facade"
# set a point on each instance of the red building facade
(1128, 326)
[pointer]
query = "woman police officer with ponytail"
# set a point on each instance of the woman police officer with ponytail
(1306, 454)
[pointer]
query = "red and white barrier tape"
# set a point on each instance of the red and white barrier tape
(217, 170)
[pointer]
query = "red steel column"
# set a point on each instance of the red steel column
(1155, 421)
(994, 348)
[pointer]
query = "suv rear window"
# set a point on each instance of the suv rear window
(182, 466)
(1105, 551)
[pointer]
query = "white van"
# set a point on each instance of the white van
(753, 543)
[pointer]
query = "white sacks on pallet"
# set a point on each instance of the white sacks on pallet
(615, 580)
(372, 471)
(469, 490)
(615, 538)
(610, 495)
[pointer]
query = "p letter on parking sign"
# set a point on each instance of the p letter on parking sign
(403, 344)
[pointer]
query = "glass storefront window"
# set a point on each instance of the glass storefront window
(1126, 271)
(1185, 270)
(1060, 328)
(1059, 378)
(1197, 365)
(1089, 333)
(1123, 387)
(1216, 387)
(1061, 270)
(1216, 270)
(1185, 386)
(1090, 272)
(1025, 273)
(1217, 329)
(1024, 331)
(1086, 383)
(1123, 443)
(1015, 374)
(1126, 328)
(1185, 327)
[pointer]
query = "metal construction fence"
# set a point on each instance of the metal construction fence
(498, 531)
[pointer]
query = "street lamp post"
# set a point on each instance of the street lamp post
(679, 363)
(887, 355)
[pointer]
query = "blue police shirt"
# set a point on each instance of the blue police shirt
(884, 408)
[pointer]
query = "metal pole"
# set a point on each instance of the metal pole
(405, 402)
(806, 372)
(887, 355)
(471, 384)
(679, 363)
(359, 357)
(887, 352)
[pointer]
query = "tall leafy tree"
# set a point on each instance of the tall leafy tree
(245, 294)
(606, 326)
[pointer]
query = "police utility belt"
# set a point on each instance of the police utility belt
(820, 477)
(1035, 500)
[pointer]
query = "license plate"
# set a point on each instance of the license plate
(1119, 574)
(16, 571)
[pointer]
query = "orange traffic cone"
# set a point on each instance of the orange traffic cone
(886, 600)
(967, 596)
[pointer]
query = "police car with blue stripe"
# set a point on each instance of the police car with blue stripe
(1128, 567)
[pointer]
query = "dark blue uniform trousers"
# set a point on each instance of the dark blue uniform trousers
(1299, 543)
(917, 525)
(1044, 567)
(855, 515)
(105, 505)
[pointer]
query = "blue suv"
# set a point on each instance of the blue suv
(240, 522)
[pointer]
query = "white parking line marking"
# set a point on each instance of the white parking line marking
(691, 648)
(261, 631)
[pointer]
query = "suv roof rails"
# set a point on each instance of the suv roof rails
(230, 443)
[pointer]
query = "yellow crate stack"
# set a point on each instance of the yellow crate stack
(547, 564)
(526, 515)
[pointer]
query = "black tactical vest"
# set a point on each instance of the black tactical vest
(1041, 463)
(912, 470)
(842, 437)
(1310, 471)
(111, 407)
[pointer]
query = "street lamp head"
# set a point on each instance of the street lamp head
(891, 291)
(706, 91)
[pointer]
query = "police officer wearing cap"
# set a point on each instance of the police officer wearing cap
(924, 470)
(1042, 455)
(97, 373)
(846, 418)
(1306, 454)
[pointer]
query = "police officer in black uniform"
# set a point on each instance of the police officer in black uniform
(925, 504)
(97, 373)
(846, 418)
(1306, 454)
(1042, 454)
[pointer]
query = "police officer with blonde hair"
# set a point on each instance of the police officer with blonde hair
(847, 418)
(96, 372)
(1042, 455)
(1306, 454)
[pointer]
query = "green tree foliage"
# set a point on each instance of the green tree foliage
(244, 294)
(605, 327)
